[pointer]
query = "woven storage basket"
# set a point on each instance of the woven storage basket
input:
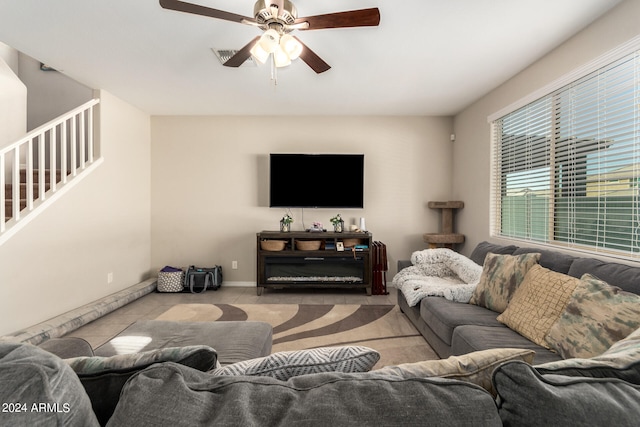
(308, 245)
(349, 243)
(170, 281)
(272, 245)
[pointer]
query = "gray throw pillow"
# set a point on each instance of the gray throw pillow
(527, 398)
(287, 364)
(104, 377)
(38, 389)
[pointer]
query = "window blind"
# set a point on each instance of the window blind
(566, 167)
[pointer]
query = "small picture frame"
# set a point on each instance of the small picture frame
(340, 246)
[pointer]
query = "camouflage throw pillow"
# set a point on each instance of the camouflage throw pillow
(596, 316)
(501, 276)
(621, 361)
(476, 367)
(538, 303)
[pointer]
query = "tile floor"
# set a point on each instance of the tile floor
(152, 305)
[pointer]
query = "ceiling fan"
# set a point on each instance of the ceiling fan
(278, 18)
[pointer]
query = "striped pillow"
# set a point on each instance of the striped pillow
(287, 364)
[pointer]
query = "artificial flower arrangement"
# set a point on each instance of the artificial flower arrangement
(338, 223)
(285, 223)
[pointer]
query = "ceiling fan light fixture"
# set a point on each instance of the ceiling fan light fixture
(281, 58)
(291, 46)
(259, 53)
(269, 41)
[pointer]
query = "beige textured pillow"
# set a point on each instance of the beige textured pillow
(476, 367)
(597, 316)
(501, 276)
(538, 303)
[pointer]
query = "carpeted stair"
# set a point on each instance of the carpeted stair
(8, 190)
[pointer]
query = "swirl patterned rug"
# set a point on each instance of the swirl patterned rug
(302, 326)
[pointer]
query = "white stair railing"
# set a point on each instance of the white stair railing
(38, 166)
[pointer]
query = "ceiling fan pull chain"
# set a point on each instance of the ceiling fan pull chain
(274, 70)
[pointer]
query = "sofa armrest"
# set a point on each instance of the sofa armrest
(403, 263)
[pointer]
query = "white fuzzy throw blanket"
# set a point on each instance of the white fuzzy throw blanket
(438, 272)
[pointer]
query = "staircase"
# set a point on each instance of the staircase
(8, 190)
(42, 165)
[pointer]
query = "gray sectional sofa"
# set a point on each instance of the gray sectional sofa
(452, 328)
(488, 384)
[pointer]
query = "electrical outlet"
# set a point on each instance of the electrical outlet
(109, 278)
(234, 265)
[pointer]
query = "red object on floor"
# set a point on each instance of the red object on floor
(380, 267)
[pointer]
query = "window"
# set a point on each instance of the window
(566, 167)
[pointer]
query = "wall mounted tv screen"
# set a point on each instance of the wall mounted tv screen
(316, 180)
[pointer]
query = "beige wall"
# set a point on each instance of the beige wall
(13, 101)
(50, 93)
(61, 259)
(209, 182)
(472, 148)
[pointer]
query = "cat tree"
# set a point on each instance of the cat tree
(446, 238)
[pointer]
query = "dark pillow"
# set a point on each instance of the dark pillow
(527, 398)
(325, 399)
(480, 252)
(553, 260)
(104, 377)
(623, 276)
(38, 389)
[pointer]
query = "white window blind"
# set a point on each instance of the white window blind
(567, 166)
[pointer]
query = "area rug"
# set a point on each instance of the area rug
(301, 326)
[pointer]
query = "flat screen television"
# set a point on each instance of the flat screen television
(316, 180)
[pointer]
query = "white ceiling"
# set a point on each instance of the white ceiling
(427, 57)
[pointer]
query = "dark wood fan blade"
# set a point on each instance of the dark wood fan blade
(353, 18)
(181, 6)
(312, 59)
(242, 55)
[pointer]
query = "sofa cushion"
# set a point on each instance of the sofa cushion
(596, 316)
(443, 316)
(67, 347)
(104, 377)
(527, 398)
(287, 364)
(623, 276)
(173, 395)
(39, 389)
(483, 248)
(501, 276)
(470, 338)
(622, 361)
(538, 302)
(553, 260)
(476, 368)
